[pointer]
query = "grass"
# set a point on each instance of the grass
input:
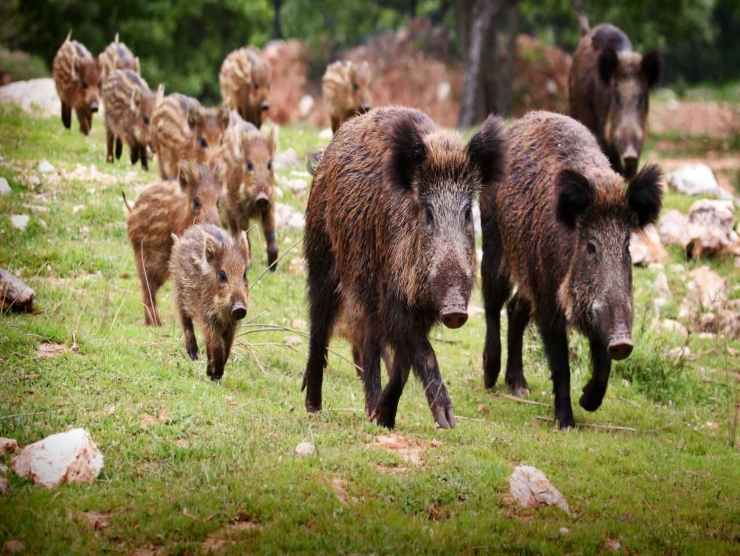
(188, 461)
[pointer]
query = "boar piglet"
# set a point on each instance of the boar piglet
(77, 80)
(209, 271)
(389, 239)
(182, 129)
(117, 56)
(163, 209)
(346, 91)
(609, 92)
(129, 104)
(558, 228)
(249, 181)
(245, 84)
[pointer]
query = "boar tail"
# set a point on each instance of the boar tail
(581, 15)
(313, 162)
(125, 201)
(69, 36)
(116, 39)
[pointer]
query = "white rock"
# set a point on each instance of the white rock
(45, 167)
(70, 457)
(710, 230)
(296, 186)
(326, 133)
(293, 341)
(4, 187)
(443, 91)
(673, 228)
(33, 96)
(305, 105)
(530, 488)
(707, 289)
(696, 179)
(305, 449)
(645, 247)
(287, 217)
(674, 327)
(19, 221)
(677, 353)
(286, 159)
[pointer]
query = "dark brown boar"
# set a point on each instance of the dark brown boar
(389, 235)
(345, 88)
(129, 104)
(117, 56)
(209, 271)
(182, 129)
(558, 228)
(163, 209)
(245, 84)
(77, 79)
(609, 93)
(249, 181)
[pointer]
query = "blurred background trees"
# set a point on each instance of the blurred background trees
(182, 42)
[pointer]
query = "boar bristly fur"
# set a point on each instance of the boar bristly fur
(389, 236)
(117, 56)
(558, 228)
(609, 93)
(77, 80)
(209, 271)
(164, 209)
(245, 84)
(345, 88)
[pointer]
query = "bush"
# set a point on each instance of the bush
(19, 66)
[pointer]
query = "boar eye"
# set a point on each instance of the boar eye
(202, 142)
(222, 276)
(269, 165)
(146, 120)
(468, 214)
(250, 166)
(196, 203)
(591, 248)
(429, 216)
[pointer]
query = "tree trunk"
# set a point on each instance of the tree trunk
(487, 31)
(277, 26)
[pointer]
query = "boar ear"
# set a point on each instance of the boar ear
(210, 248)
(608, 62)
(224, 116)
(408, 152)
(137, 63)
(645, 195)
(486, 150)
(185, 174)
(243, 243)
(575, 196)
(194, 118)
(650, 67)
(271, 136)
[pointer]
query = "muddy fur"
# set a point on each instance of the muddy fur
(557, 228)
(245, 84)
(609, 93)
(346, 91)
(209, 274)
(77, 79)
(164, 209)
(389, 238)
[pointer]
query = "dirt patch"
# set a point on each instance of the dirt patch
(225, 537)
(710, 119)
(97, 521)
(410, 450)
(339, 486)
(50, 350)
(148, 420)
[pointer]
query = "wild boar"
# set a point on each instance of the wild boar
(345, 88)
(610, 91)
(117, 56)
(163, 209)
(245, 84)
(389, 236)
(129, 104)
(209, 271)
(183, 130)
(558, 227)
(249, 181)
(77, 80)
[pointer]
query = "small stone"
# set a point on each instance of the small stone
(679, 353)
(19, 221)
(34, 181)
(293, 341)
(695, 179)
(305, 105)
(305, 449)
(326, 134)
(286, 159)
(45, 167)
(4, 186)
(530, 488)
(298, 324)
(564, 531)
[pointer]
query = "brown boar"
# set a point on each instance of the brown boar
(245, 84)
(129, 104)
(389, 236)
(609, 93)
(209, 272)
(163, 209)
(249, 181)
(117, 56)
(345, 88)
(558, 228)
(77, 80)
(183, 130)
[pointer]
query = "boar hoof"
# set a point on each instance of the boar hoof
(566, 422)
(192, 350)
(312, 407)
(384, 416)
(272, 257)
(519, 389)
(443, 416)
(214, 375)
(592, 397)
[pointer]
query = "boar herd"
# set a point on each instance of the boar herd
(389, 241)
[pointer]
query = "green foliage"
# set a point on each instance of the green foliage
(21, 66)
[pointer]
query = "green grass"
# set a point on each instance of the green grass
(211, 454)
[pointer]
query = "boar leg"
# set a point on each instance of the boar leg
(385, 411)
(555, 339)
(191, 344)
(268, 227)
(426, 367)
(109, 140)
(134, 151)
(150, 284)
(216, 351)
(595, 389)
(119, 148)
(517, 311)
(85, 122)
(371, 351)
(495, 293)
(144, 157)
(66, 115)
(335, 123)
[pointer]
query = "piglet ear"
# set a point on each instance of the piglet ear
(650, 67)
(645, 195)
(486, 150)
(224, 116)
(210, 248)
(243, 244)
(186, 174)
(408, 152)
(575, 194)
(608, 62)
(194, 118)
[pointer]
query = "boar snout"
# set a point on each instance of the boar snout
(264, 106)
(238, 310)
(364, 107)
(94, 106)
(262, 201)
(629, 161)
(620, 347)
(454, 311)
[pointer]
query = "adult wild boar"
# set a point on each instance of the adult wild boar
(77, 80)
(345, 90)
(558, 228)
(609, 93)
(389, 235)
(245, 84)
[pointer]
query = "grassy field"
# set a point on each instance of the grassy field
(192, 466)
